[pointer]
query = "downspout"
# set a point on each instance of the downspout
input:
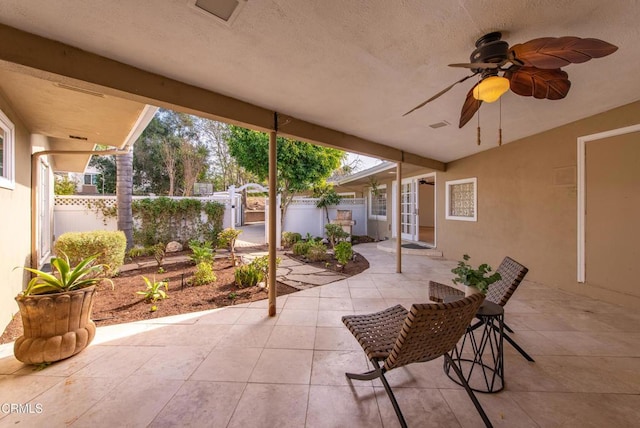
(34, 188)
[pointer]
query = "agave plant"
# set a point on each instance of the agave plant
(65, 277)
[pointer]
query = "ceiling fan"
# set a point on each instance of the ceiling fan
(528, 69)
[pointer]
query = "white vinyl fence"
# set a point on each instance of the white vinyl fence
(84, 213)
(304, 217)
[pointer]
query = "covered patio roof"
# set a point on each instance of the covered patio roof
(338, 74)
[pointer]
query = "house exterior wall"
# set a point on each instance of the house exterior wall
(528, 211)
(15, 226)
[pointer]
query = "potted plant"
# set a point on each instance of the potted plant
(475, 280)
(56, 311)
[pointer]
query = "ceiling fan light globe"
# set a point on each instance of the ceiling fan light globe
(491, 88)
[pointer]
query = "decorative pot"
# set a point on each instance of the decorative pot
(56, 326)
(470, 290)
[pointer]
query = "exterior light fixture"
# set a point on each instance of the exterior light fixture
(491, 88)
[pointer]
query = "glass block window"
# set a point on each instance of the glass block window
(378, 204)
(7, 178)
(462, 200)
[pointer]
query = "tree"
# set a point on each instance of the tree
(193, 163)
(170, 155)
(107, 167)
(63, 185)
(326, 197)
(300, 165)
(124, 195)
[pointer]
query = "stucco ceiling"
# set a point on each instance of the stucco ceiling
(356, 66)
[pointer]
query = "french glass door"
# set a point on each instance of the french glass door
(409, 212)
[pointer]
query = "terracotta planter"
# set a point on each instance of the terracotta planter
(56, 326)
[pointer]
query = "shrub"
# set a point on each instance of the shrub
(153, 291)
(317, 252)
(109, 247)
(300, 248)
(248, 276)
(335, 233)
(201, 252)
(290, 238)
(255, 272)
(137, 252)
(343, 252)
(228, 238)
(159, 251)
(204, 274)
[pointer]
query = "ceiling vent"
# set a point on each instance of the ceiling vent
(77, 89)
(439, 124)
(225, 11)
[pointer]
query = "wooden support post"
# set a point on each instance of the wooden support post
(273, 206)
(398, 217)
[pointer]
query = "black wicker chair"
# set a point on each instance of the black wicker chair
(499, 292)
(396, 337)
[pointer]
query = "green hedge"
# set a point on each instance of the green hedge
(164, 220)
(108, 246)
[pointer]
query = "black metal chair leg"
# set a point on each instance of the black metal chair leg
(379, 373)
(475, 401)
(373, 374)
(506, 327)
(394, 402)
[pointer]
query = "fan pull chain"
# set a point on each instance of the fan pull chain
(500, 128)
(478, 124)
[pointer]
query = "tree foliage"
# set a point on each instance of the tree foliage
(170, 155)
(300, 165)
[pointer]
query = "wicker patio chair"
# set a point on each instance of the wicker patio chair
(396, 337)
(512, 273)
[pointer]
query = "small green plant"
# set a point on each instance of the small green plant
(247, 276)
(228, 238)
(204, 274)
(255, 272)
(335, 233)
(290, 238)
(471, 277)
(161, 270)
(201, 252)
(154, 291)
(65, 277)
(300, 248)
(317, 252)
(343, 252)
(153, 308)
(159, 253)
(232, 296)
(137, 252)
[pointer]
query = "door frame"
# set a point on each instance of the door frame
(397, 216)
(582, 191)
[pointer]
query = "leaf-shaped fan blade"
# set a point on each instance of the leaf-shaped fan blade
(556, 52)
(442, 92)
(478, 65)
(539, 83)
(469, 108)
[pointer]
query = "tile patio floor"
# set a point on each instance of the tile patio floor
(235, 367)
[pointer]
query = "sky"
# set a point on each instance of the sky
(365, 161)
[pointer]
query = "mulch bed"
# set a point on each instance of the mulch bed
(121, 304)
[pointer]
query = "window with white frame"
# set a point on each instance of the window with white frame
(7, 171)
(462, 200)
(378, 203)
